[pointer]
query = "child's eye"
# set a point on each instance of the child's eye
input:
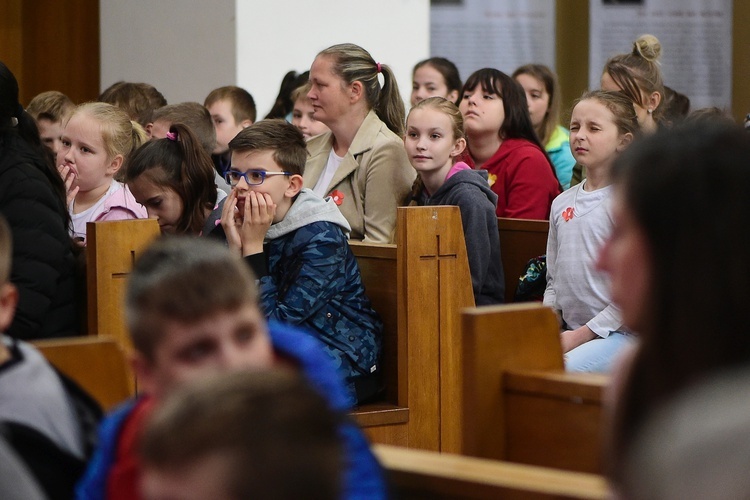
(296, 114)
(435, 136)
(84, 149)
(488, 96)
(218, 121)
(66, 143)
(415, 86)
(466, 96)
(431, 88)
(412, 135)
(196, 352)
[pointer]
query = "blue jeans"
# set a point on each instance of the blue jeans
(597, 355)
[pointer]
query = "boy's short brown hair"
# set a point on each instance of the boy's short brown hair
(51, 105)
(301, 92)
(277, 435)
(139, 100)
(284, 139)
(184, 279)
(243, 104)
(193, 115)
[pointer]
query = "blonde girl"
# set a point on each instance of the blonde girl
(602, 125)
(95, 141)
(434, 140)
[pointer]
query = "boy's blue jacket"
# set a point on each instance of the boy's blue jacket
(363, 476)
(314, 281)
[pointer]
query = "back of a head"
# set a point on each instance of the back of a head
(277, 436)
(139, 100)
(51, 105)
(637, 73)
(686, 190)
(353, 63)
(676, 106)
(243, 104)
(285, 100)
(183, 279)
(193, 115)
(284, 139)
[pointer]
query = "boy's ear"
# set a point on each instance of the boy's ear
(453, 96)
(149, 126)
(143, 368)
(8, 302)
(458, 147)
(115, 165)
(295, 186)
(246, 123)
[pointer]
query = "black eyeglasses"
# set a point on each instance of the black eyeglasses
(252, 177)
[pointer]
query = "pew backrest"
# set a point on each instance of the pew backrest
(520, 240)
(111, 250)
(97, 364)
(519, 404)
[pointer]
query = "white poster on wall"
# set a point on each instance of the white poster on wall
(696, 40)
(502, 34)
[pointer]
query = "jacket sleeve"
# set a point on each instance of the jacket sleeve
(531, 187)
(388, 181)
(319, 251)
(39, 245)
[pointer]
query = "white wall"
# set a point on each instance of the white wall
(184, 52)
(186, 49)
(275, 37)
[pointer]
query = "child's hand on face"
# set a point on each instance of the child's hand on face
(246, 218)
(68, 176)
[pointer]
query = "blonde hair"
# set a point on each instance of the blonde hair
(621, 107)
(51, 105)
(446, 107)
(638, 73)
(120, 134)
(301, 92)
(353, 63)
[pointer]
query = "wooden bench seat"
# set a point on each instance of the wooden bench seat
(520, 240)
(417, 474)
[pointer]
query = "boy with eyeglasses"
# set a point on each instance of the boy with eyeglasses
(307, 274)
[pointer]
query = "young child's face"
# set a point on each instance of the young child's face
(303, 119)
(536, 97)
(84, 153)
(224, 123)
(50, 133)
(484, 112)
(162, 202)
(280, 188)
(594, 138)
(228, 340)
(429, 82)
(205, 477)
(429, 141)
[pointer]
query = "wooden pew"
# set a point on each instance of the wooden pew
(518, 402)
(520, 240)
(110, 252)
(417, 474)
(97, 364)
(418, 287)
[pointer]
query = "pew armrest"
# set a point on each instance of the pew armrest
(425, 474)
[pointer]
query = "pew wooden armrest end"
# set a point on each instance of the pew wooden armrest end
(425, 474)
(582, 387)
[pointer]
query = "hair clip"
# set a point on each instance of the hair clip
(172, 136)
(379, 67)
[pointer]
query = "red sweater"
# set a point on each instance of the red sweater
(523, 180)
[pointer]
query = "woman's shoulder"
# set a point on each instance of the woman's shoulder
(320, 144)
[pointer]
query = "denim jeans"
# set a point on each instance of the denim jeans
(597, 355)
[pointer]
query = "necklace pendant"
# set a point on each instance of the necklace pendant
(567, 214)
